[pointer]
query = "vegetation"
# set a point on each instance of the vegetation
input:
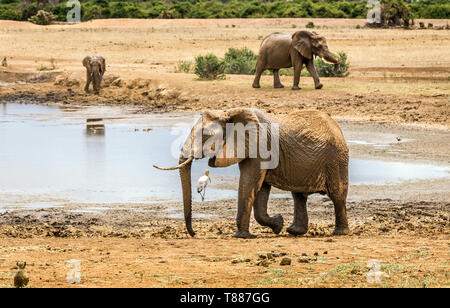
(209, 67)
(243, 61)
(95, 9)
(184, 66)
(327, 70)
(394, 13)
(310, 25)
(52, 66)
(42, 18)
(240, 61)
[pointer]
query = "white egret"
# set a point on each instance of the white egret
(202, 183)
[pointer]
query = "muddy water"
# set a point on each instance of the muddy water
(53, 155)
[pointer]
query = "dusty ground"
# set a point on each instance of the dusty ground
(397, 76)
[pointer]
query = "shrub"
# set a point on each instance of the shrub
(10, 14)
(327, 70)
(184, 66)
(42, 18)
(223, 9)
(240, 61)
(209, 67)
(310, 25)
(43, 67)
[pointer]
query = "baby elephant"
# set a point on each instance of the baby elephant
(95, 68)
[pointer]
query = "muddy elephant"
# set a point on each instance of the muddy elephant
(279, 50)
(311, 157)
(95, 69)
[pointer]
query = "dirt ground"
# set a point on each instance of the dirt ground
(398, 86)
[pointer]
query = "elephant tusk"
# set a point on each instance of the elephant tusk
(179, 166)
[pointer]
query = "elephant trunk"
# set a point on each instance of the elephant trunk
(330, 58)
(185, 176)
(97, 78)
(184, 165)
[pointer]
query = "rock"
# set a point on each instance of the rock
(316, 254)
(304, 254)
(270, 256)
(303, 260)
(262, 256)
(285, 261)
(264, 263)
(117, 83)
(325, 252)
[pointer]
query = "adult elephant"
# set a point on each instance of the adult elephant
(279, 50)
(312, 157)
(95, 69)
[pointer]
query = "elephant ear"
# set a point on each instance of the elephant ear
(103, 65)
(87, 62)
(236, 116)
(302, 43)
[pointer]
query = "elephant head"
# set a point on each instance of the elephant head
(310, 43)
(208, 139)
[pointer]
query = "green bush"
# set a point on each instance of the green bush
(327, 70)
(220, 9)
(209, 67)
(10, 14)
(240, 61)
(310, 25)
(184, 66)
(43, 18)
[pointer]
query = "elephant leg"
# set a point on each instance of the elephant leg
(259, 71)
(297, 63)
(340, 210)
(250, 183)
(297, 71)
(88, 81)
(276, 79)
(300, 224)
(260, 208)
(312, 70)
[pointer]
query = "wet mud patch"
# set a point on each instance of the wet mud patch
(366, 218)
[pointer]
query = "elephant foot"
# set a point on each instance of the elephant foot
(319, 86)
(278, 86)
(243, 234)
(278, 224)
(297, 230)
(86, 90)
(296, 88)
(256, 85)
(341, 231)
